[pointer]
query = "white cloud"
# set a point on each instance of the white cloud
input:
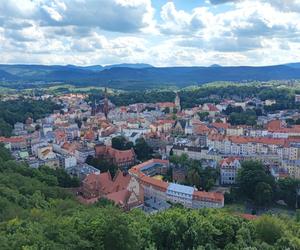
(112, 15)
(114, 31)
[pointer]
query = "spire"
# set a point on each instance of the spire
(177, 102)
(106, 106)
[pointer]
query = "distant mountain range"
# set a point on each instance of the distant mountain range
(141, 76)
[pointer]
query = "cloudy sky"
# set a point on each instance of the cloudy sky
(159, 32)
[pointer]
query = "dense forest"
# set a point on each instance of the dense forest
(19, 110)
(191, 97)
(37, 212)
(133, 77)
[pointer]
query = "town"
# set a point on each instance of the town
(138, 156)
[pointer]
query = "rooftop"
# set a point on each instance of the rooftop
(173, 187)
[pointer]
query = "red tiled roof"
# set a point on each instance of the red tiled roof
(212, 107)
(120, 197)
(121, 155)
(274, 125)
(136, 169)
(149, 181)
(228, 160)
(12, 139)
(101, 181)
(220, 125)
(166, 104)
(209, 196)
(200, 128)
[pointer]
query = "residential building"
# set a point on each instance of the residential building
(228, 170)
(159, 190)
(82, 154)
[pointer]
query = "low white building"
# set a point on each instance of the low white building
(182, 194)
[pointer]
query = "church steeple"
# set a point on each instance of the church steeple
(177, 102)
(106, 105)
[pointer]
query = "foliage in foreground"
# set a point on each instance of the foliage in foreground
(36, 213)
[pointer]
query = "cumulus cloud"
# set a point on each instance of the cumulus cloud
(179, 22)
(115, 15)
(283, 5)
(223, 1)
(116, 31)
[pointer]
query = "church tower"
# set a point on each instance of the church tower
(177, 102)
(106, 105)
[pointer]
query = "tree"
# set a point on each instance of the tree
(193, 177)
(167, 110)
(268, 229)
(263, 194)
(120, 143)
(142, 150)
(179, 159)
(287, 191)
(4, 153)
(5, 128)
(203, 115)
(102, 164)
(253, 178)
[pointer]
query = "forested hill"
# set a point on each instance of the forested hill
(19, 110)
(37, 213)
(141, 76)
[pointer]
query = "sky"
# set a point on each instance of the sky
(158, 32)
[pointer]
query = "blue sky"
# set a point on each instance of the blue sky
(158, 32)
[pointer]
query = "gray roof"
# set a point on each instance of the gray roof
(173, 187)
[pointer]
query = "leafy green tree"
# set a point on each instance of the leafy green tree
(5, 128)
(269, 229)
(120, 143)
(193, 177)
(287, 191)
(263, 194)
(254, 178)
(102, 164)
(142, 150)
(203, 115)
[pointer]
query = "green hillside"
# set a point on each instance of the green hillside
(38, 213)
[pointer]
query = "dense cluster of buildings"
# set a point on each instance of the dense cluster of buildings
(81, 131)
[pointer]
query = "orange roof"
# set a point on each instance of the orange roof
(200, 128)
(120, 181)
(165, 121)
(210, 196)
(12, 139)
(121, 155)
(70, 147)
(136, 169)
(101, 181)
(105, 183)
(229, 160)
(149, 181)
(274, 125)
(262, 140)
(216, 137)
(212, 107)
(89, 135)
(120, 197)
(166, 104)
(220, 125)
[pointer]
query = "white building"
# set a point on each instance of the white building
(180, 194)
(228, 170)
(82, 154)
